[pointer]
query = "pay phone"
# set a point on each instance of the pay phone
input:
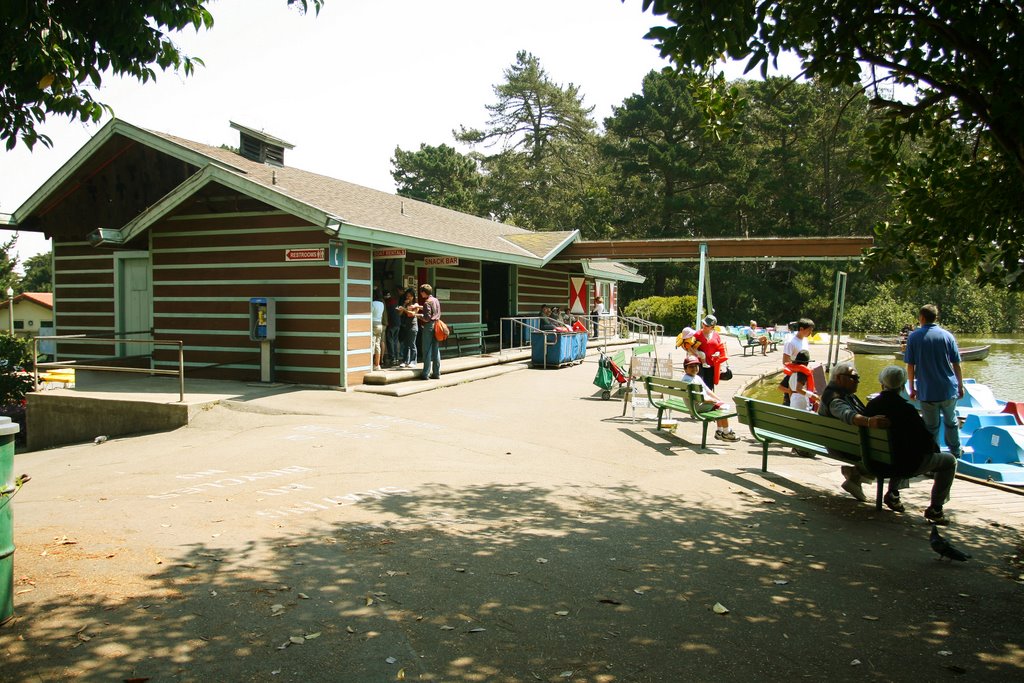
(263, 328)
(262, 319)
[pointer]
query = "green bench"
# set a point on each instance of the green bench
(645, 350)
(748, 344)
(774, 423)
(473, 335)
(682, 397)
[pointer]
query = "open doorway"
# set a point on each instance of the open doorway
(387, 276)
(495, 295)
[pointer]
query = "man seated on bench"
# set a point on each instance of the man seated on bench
(914, 449)
(759, 335)
(839, 400)
(711, 402)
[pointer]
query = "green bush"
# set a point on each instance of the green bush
(674, 312)
(15, 357)
(884, 316)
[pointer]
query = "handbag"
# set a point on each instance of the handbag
(726, 374)
(441, 330)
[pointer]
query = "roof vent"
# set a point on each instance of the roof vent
(260, 147)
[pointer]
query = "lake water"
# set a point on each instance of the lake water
(1002, 371)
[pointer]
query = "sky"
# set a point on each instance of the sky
(348, 86)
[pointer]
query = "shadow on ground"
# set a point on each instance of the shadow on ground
(520, 583)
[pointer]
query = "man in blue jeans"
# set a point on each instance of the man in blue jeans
(429, 315)
(933, 371)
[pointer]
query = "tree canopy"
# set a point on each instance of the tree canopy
(439, 175)
(953, 155)
(540, 174)
(56, 54)
(38, 274)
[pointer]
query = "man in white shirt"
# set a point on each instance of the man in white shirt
(799, 341)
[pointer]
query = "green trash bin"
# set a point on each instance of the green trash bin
(8, 486)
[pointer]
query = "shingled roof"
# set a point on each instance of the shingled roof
(369, 208)
(345, 210)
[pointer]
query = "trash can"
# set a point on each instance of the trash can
(8, 430)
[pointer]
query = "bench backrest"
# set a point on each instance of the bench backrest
(872, 445)
(672, 387)
(468, 327)
(644, 349)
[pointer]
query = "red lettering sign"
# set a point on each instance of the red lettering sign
(434, 261)
(389, 253)
(305, 254)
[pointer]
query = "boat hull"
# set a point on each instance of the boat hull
(871, 347)
(995, 453)
(966, 354)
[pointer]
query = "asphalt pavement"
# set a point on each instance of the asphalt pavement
(512, 529)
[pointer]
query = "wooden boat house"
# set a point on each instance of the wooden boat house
(158, 237)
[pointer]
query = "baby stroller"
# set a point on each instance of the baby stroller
(607, 374)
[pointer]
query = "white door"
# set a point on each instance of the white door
(134, 317)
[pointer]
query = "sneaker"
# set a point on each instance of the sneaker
(854, 489)
(728, 436)
(376, 367)
(893, 503)
(936, 517)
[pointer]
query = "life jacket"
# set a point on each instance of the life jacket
(790, 368)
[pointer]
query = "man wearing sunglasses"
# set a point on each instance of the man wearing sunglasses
(839, 400)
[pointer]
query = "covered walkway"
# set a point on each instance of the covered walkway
(718, 249)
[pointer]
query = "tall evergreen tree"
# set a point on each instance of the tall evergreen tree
(541, 172)
(439, 175)
(8, 278)
(38, 274)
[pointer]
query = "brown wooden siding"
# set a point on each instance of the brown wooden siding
(361, 291)
(359, 325)
(359, 273)
(63, 294)
(206, 305)
(536, 287)
(463, 284)
(74, 313)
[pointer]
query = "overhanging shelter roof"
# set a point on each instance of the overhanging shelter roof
(611, 270)
(719, 249)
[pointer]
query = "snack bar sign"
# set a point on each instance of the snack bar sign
(435, 261)
(305, 254)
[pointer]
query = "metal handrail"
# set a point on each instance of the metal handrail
(607, 325)
(644, 327)
(180, 372)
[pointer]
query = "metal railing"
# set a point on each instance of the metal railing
(642, 328)
(516, 331)
(180, 372)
